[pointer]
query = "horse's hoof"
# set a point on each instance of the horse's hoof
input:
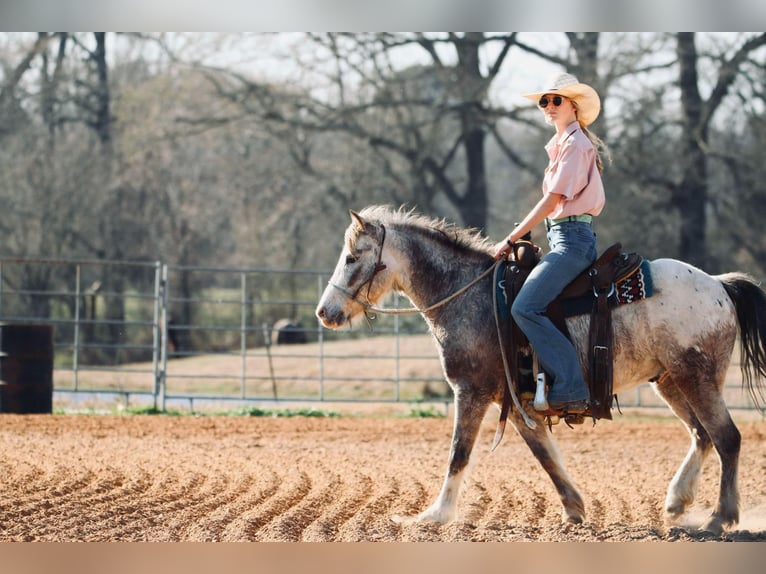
(418, 518)
(714, 525)
(428, 515)
(404, 519)
(567, 518)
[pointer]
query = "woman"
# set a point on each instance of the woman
(573, 195)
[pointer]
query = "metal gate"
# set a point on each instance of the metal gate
(148, 332)
(164, 335)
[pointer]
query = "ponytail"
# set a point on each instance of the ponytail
(598, 144)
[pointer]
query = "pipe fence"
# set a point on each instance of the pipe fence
(150, 333)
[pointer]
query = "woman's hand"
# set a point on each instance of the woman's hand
(539, 212)
(503, 249)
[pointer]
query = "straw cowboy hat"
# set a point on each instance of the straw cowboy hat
(587, 100)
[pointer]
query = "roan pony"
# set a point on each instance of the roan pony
(681, 338)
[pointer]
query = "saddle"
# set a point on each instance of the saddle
(592, 291)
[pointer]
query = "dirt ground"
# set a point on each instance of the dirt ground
(218, 478)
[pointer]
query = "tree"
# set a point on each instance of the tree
(111, 152)
(738, 190)
(690, 194)
(669, 150)
(431, 143)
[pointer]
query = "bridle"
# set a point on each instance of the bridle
(380, 266)
(369, 309)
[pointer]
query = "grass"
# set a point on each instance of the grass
(417, 411)
(304, 412)
(425, 413)
(151, 411)
(246, 412)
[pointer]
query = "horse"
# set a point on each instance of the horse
(681, 340)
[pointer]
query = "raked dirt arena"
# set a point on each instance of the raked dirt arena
(216, 478)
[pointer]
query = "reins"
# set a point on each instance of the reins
(413, 310)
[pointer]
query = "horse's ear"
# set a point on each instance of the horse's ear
(356, 218)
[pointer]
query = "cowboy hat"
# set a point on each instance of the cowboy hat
(587, 100)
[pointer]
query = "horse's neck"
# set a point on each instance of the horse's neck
(429, 271)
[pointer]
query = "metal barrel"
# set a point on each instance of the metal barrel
(26, 368)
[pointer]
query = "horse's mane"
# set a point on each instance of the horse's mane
(439, 229)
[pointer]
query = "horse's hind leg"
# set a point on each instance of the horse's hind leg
(470, 409)
(701, 387)
(544, 448)
(683, 487)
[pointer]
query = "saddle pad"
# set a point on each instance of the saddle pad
(636, 286)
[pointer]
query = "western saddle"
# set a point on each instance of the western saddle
(593, 290)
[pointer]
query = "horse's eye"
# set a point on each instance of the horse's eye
(350, 260)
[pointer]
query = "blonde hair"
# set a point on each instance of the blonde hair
(598, 143)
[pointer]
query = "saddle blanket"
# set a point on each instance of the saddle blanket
(636, 286)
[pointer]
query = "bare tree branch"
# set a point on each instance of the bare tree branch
(727, 74)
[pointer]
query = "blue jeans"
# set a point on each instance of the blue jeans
(573, 248)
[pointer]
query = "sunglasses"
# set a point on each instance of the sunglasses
(545, 100)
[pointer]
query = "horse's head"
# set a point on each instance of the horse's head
(360, 278)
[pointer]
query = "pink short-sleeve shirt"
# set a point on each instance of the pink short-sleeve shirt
(572, 173)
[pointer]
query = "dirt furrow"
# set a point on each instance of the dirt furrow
(94, 510)
(222, 511)
(36, 517)
(110, 478)
(342, 505)
(295, 485)
(372, 521)
(291, 523)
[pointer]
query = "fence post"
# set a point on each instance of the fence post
(243, 334)
(157, 330)
(160, 385)
(76, 342)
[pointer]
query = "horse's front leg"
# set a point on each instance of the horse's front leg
(470, 409)
(541, 443)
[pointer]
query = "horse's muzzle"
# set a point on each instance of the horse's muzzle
(331, 319)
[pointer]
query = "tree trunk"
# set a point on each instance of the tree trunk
(690, 198)
(473, 205)
(102, 125)
(103, 121)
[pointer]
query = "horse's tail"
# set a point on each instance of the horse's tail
(750, 304)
